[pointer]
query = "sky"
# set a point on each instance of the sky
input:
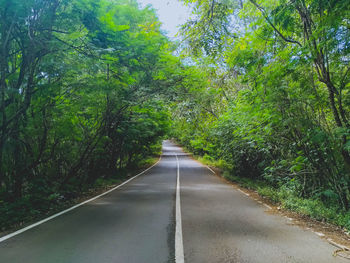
(171, 13)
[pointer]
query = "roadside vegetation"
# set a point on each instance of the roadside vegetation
(288, 199)
(271, 102)
(85, 89)
(79, 82)
(88, 89)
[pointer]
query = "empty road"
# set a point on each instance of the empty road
(177, 209)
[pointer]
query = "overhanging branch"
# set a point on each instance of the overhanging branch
(263, 12)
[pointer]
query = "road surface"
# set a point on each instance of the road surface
(144, 221)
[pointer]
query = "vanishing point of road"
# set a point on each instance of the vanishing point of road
(177, 211)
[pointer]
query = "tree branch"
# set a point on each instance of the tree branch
(263, 12)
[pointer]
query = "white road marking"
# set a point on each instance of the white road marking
(243, 192)
(210, 169)
(319, 234)
(269, 207)
(179, 247)
(73, 207)
(337, 244)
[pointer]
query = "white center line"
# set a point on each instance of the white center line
(179, 247)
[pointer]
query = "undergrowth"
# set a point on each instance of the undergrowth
(40, 204)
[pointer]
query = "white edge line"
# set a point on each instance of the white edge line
(179, 249)
(319, 234)
(337, 244)
(267, 206)
(210, 169)
(73, 207)
(243, 192)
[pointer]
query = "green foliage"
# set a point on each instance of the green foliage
(272, 103)
(89, 88)
(80, 98)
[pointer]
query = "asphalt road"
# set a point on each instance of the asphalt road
(137, 222)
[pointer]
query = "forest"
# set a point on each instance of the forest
(260, 89)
